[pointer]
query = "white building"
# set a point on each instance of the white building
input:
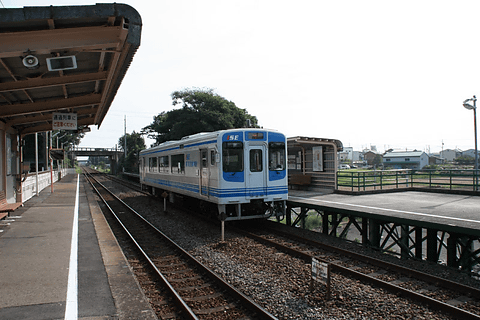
(469, 153)
(450, 154)
(405, 160)
(349, 152)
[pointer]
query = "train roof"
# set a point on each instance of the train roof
(194, 137)
(200, 136)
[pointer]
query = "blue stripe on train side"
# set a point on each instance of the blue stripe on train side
(221, 193)
(200, 143)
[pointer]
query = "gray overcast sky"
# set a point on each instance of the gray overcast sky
(392, 74)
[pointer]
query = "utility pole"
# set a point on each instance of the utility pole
(125, 141)
(442, 158)
(474, 108)
(36, 163)
(125, 135)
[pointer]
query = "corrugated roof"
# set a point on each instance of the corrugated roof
(403, 154)
(315, 141)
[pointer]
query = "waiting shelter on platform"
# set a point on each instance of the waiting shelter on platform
(312, 163)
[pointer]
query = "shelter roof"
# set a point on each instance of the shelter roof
(102, 38)
(298, 141)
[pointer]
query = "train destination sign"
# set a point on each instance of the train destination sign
(64, 121)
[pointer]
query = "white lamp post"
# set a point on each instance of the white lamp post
(474, 108)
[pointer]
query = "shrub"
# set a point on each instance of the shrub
(313, 222)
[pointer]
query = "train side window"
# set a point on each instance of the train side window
(232, 155)
(256, 163)
(212, 157)
(153, 164)
(276, 156)
(149, 165)
(178, 163)
(204, 156)
(164, 164)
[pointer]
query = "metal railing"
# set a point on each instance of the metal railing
(450, 179)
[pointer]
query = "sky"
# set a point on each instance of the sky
(390, 74)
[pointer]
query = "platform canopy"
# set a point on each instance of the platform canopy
(302, 141)
(67, 59)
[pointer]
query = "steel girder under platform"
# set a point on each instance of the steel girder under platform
(445, 244)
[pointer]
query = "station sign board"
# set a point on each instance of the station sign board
(64, 121)
(317, 158)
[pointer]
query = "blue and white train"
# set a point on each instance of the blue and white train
(241, 171)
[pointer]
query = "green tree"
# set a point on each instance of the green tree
(202, 110)
(464, 160)
(67, 138)
(135, 144)
(377, 160)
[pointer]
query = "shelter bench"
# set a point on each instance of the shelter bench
(6, 208)
(299, 179)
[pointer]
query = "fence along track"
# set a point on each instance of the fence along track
(199, 292)
(374, 278)
(465, 180)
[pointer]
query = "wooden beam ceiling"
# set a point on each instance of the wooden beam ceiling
(103, 39)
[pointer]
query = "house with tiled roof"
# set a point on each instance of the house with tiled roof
(369, 156)
(405, 160)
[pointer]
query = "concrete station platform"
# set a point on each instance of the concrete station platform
(35, 260)
(460, 213)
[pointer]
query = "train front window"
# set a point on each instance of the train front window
(276, 156)
(232, 156)
(256, 164)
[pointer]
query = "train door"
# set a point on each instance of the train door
(204, 173)
(142, 169)
(257, 179)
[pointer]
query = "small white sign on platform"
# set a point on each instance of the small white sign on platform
(321, 273)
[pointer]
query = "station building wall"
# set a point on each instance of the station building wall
(9, 163)
(3, 176)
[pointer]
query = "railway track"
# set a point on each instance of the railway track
(460, 301)
(198, 293)
(126, 183)
(381, 276)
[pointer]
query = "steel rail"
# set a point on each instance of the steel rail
(245, 300)
(127, 184)
(445, 283)
(436, 304)
(123, 182)
(177, 298)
